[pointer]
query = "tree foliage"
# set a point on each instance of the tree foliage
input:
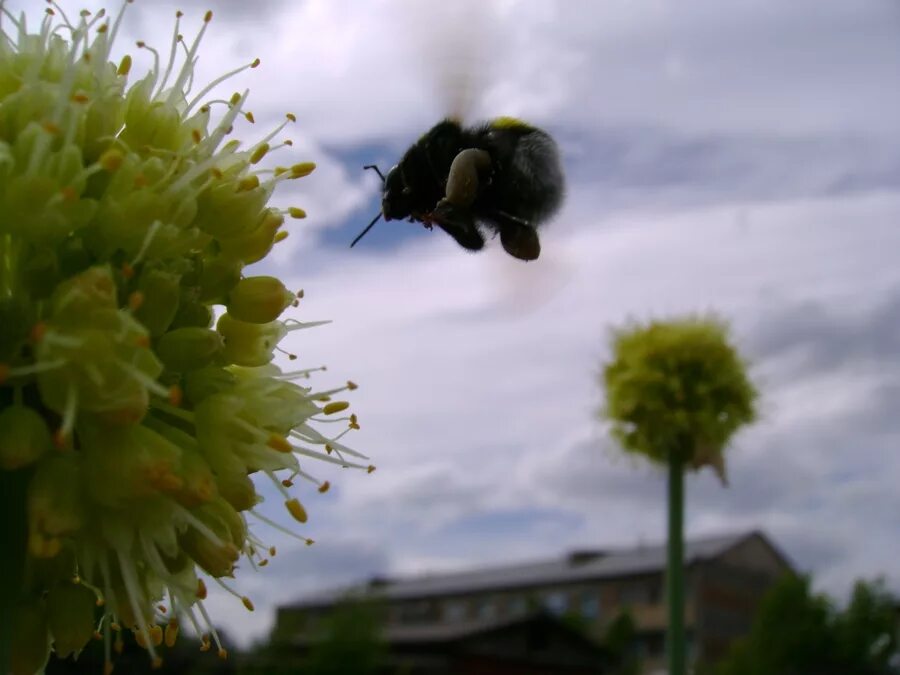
(798, 632)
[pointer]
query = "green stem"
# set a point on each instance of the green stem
(675, 638)
(12, 553)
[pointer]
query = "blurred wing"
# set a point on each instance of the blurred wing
(457, 44)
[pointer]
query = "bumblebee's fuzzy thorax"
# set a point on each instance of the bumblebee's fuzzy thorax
(504, 175)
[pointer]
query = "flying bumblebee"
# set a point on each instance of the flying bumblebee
(503, 176)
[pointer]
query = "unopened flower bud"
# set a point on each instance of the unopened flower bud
(204, 382)
(160, 290)
(70, 614)
(218, 277)
(185, 349)
(55, 503)
(24, 436)
(249, 344)
(254, 246)
(259, 299)
(30, 643)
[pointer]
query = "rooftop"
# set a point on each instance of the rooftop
(577, 566)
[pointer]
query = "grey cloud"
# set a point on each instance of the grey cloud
(822, 338)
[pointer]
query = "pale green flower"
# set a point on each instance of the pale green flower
(125, 215)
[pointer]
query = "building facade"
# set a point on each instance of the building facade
(725, 579)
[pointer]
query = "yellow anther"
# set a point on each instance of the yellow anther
(196, 136)
(280, 236)
(157, 663)
(248, 603)
(352, 386)
(335, 407)
(135, 300)
(223, 653)
(51, 128)
(295, 508)
(288, 142)
(310, 542)
(296, 212)
(111, 160)
(207, 17)
(302, 169)
(279, 443)
(79, 98)
(255, 63)
(171, 632)
(156, 635)
(323, 488)
(216, 173)
(328, 448)
(259, 153)
(292, 117)
(141, 44)
(124, 65)
(272, 551)
(176, 395)
(248, 183)
(287, 482)
(370, 468)
(201, 590)
(263, 562)
(38, 331)
(235, 98)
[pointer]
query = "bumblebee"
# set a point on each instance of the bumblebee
(503, 176)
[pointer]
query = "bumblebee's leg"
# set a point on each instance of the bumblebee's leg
(462, 182)
(519, 238)
(466, 234)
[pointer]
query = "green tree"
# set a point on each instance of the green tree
(676, 392)
(620, 641)
(798, 632)
(351, 641)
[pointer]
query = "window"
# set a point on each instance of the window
(518, 604)
(455, 610)
(556, 602)
(486, 609)
(589, 607)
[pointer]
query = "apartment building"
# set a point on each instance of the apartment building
(725, 579)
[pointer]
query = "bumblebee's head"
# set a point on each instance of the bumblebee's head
(395, 201)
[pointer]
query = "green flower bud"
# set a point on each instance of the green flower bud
(227, 210)
(56, 504)
(259, 299)
(216, 556)
(124, 464)
(218, 277)
(204, 382)
(253, 246)
(189, 348)
(249, 344)
(70, 614)
(24, 436)
(30, 641)
(237, 489)
(192, 314)
(160, 293)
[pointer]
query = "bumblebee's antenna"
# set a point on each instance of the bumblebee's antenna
(368, 227)
(376, 170)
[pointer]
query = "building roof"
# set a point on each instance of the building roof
(575, 567)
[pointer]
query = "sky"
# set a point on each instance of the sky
(741, 158)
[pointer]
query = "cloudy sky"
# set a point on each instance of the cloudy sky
(742, 157)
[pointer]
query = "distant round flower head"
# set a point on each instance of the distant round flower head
(125, 217)
(677, 389)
